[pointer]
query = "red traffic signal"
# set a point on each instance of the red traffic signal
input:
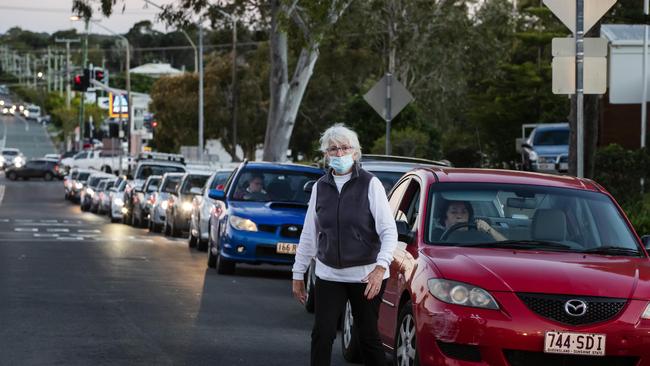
(154, 124)
(80, 82)
(100, 75)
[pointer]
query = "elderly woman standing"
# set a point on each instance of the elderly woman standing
(349, 228)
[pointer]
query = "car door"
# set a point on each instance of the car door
(402, 196)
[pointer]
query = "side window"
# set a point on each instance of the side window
(396, 196)
(408, 210)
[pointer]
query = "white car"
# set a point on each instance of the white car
(202, 205)
(157, 213)
(116, 201)
(10, 157)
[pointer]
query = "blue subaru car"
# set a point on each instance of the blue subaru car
(258, 216)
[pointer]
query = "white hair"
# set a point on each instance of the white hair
(339, 134)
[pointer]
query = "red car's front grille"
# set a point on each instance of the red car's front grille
(599, 309)
(527, 358)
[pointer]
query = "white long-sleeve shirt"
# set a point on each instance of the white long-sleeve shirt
(384, 224)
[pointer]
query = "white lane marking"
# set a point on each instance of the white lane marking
(49, 221)
(58, 230)
(89, 231)
(26, 229)
(75, 238)
(24, 220)
(2, 193)
(37, 235)
(4, 135)
(24, 121)
(4, 220)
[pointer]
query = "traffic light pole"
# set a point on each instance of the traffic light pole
(83, 93)
(67, 67)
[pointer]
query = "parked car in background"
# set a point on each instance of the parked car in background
(100, 192)
(77, 184)
(562, 287)
(202, 206)
(547, 148)
(149, 164)
(105, 161)
(37, 168)
(32, 112)
(141, 199)
(116, 200)
(259, 215)
(11, 156)
(179, 207)
(90, 189)
(159, 203)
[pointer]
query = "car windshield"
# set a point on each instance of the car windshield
(388, 179)
(152, 186)
(146, 170)
(10, 153)
(270, 185)
(194, 181)
(551, 137)
(82, 177)
(171, 183)
(109, 185)
(220, 179)
(528, 217)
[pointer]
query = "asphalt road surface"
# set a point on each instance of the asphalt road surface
(28, 136)
(76, 289)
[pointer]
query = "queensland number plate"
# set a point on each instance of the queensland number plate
(564, 166)
(286, 248)
(575, 343)
(546, 166)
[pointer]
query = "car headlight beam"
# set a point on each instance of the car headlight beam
(458, 293)
(532, 155)
(187, 206)
(164, 204)
(240, 223)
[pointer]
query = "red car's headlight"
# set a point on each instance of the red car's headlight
(459, 293)
(646, 313)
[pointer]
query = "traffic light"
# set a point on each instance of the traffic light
(100, 75)
(81, 82)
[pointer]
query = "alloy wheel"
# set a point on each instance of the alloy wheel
(405, 350)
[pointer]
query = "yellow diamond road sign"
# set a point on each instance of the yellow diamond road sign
(565, 10)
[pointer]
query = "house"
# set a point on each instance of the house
(156, 70)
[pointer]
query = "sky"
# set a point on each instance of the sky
(53, 15)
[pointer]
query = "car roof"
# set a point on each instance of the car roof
(282, 166)
(502, 176)
(552, 126)
(395, 159)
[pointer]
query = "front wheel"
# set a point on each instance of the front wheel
(191, 240)
(224, 266)
(212, 259)
(405, 351)
(11, 176)
(349, 337)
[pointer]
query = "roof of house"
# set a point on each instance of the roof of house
(156, 69)
(623, 34)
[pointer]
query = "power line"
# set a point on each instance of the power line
(62, 10)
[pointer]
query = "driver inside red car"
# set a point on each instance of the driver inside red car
(461, 212)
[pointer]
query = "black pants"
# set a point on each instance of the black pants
(329, 304)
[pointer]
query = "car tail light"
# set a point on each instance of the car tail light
(56, 168)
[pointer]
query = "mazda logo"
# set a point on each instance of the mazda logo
(575, 307)
(292, 228)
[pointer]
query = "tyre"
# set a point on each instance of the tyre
(11, 176)
(223, 265)
(212, 259)
(191, 240)
(173, 231)
(310, 278)
(48, 176)
(349, 338)
(165, 230)
(106, 169)
(201, 245)
(405, 351)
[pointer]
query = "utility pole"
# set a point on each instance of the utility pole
(67, 66)
(200, 91)
(83, 92)
(49, 69)
(234, 95)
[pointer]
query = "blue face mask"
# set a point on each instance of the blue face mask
(341, 164)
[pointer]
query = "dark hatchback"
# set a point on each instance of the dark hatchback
(38, 168)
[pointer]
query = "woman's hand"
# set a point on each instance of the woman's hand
(374, 280)
(481, 225)
(299, 291)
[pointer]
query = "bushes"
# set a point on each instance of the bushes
(620, 172)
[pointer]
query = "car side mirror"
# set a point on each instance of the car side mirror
(404, 232)
(217, 194)
(645, 239)
(308, 186)
(526, 145)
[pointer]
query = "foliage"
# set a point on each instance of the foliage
(139, 83)
(620, 172)
(406, 142)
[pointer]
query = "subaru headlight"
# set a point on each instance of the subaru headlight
(186, 206)
(164, 204)
(118, 202)
(90, 192)
(78, 185)
(532, 155)
(459, 293)
(646, 313)
(240, 223)
(26, 113)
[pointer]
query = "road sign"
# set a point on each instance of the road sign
(564, 75)
(565, 10)
(377, 96)
(594, 47)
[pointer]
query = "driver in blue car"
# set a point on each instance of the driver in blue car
(255, 189)
(461, 212)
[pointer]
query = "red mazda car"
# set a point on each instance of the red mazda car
(511, 268)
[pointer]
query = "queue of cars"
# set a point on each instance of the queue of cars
(567, 285)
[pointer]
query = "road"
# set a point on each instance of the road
(28, 136)
(76, 289)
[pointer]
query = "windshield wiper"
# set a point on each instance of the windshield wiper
(613, 250)
(521, 244)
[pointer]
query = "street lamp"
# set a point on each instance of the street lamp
(233, 19)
